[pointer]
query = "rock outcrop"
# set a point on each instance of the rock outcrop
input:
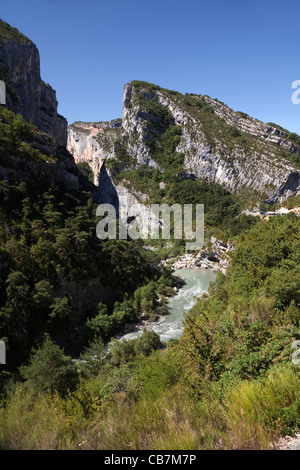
(93, 142)
(133, 208)
(60, 169)
(215, 257)
(26, 93)
(44, 158)
(219, 145)
(136, 129)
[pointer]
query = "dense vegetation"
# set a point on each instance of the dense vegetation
(221, 207)
(228, 383)
(85, 168)
(51, 258)
(17, 137)
(8, 32)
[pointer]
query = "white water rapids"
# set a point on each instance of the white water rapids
(171, 326)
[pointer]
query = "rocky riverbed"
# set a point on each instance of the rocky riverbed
(215, 257)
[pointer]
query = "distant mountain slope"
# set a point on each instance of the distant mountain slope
(257, 161)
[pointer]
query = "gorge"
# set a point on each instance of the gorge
(249, 158)
(214, 371)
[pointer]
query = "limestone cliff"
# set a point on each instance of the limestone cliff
(26, 93)
(258, 161)
(220, 145)
(93, 142)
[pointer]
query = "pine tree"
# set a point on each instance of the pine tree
(49, 370)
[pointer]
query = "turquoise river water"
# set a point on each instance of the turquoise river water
(171, 326)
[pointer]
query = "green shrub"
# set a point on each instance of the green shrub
(49, 370)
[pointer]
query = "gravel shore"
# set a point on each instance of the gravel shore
(289, 442)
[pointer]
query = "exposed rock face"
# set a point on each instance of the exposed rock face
(93, 142)
(209, 154)
(252, 126)
(27, 94)
(219, 145)
(135, 127)
(62, 171)
(215, 257)
(288, 188)
(133, 208)
(107, 192)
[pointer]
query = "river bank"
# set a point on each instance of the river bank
(214, 257)
(170, 326)
(203, 264)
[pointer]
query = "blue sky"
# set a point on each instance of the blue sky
(243, 52)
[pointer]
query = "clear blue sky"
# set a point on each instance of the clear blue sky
(244, 52)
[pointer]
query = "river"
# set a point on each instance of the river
(171, 325)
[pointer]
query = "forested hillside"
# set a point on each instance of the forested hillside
(57, 277)
(228, 383)
(232, 379)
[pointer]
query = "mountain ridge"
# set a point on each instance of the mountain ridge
(219, 145)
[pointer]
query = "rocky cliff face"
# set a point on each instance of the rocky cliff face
(38, 150)
(218, 144)
(27, 94)
(93, 142)
(41, 161)
(248, 157)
